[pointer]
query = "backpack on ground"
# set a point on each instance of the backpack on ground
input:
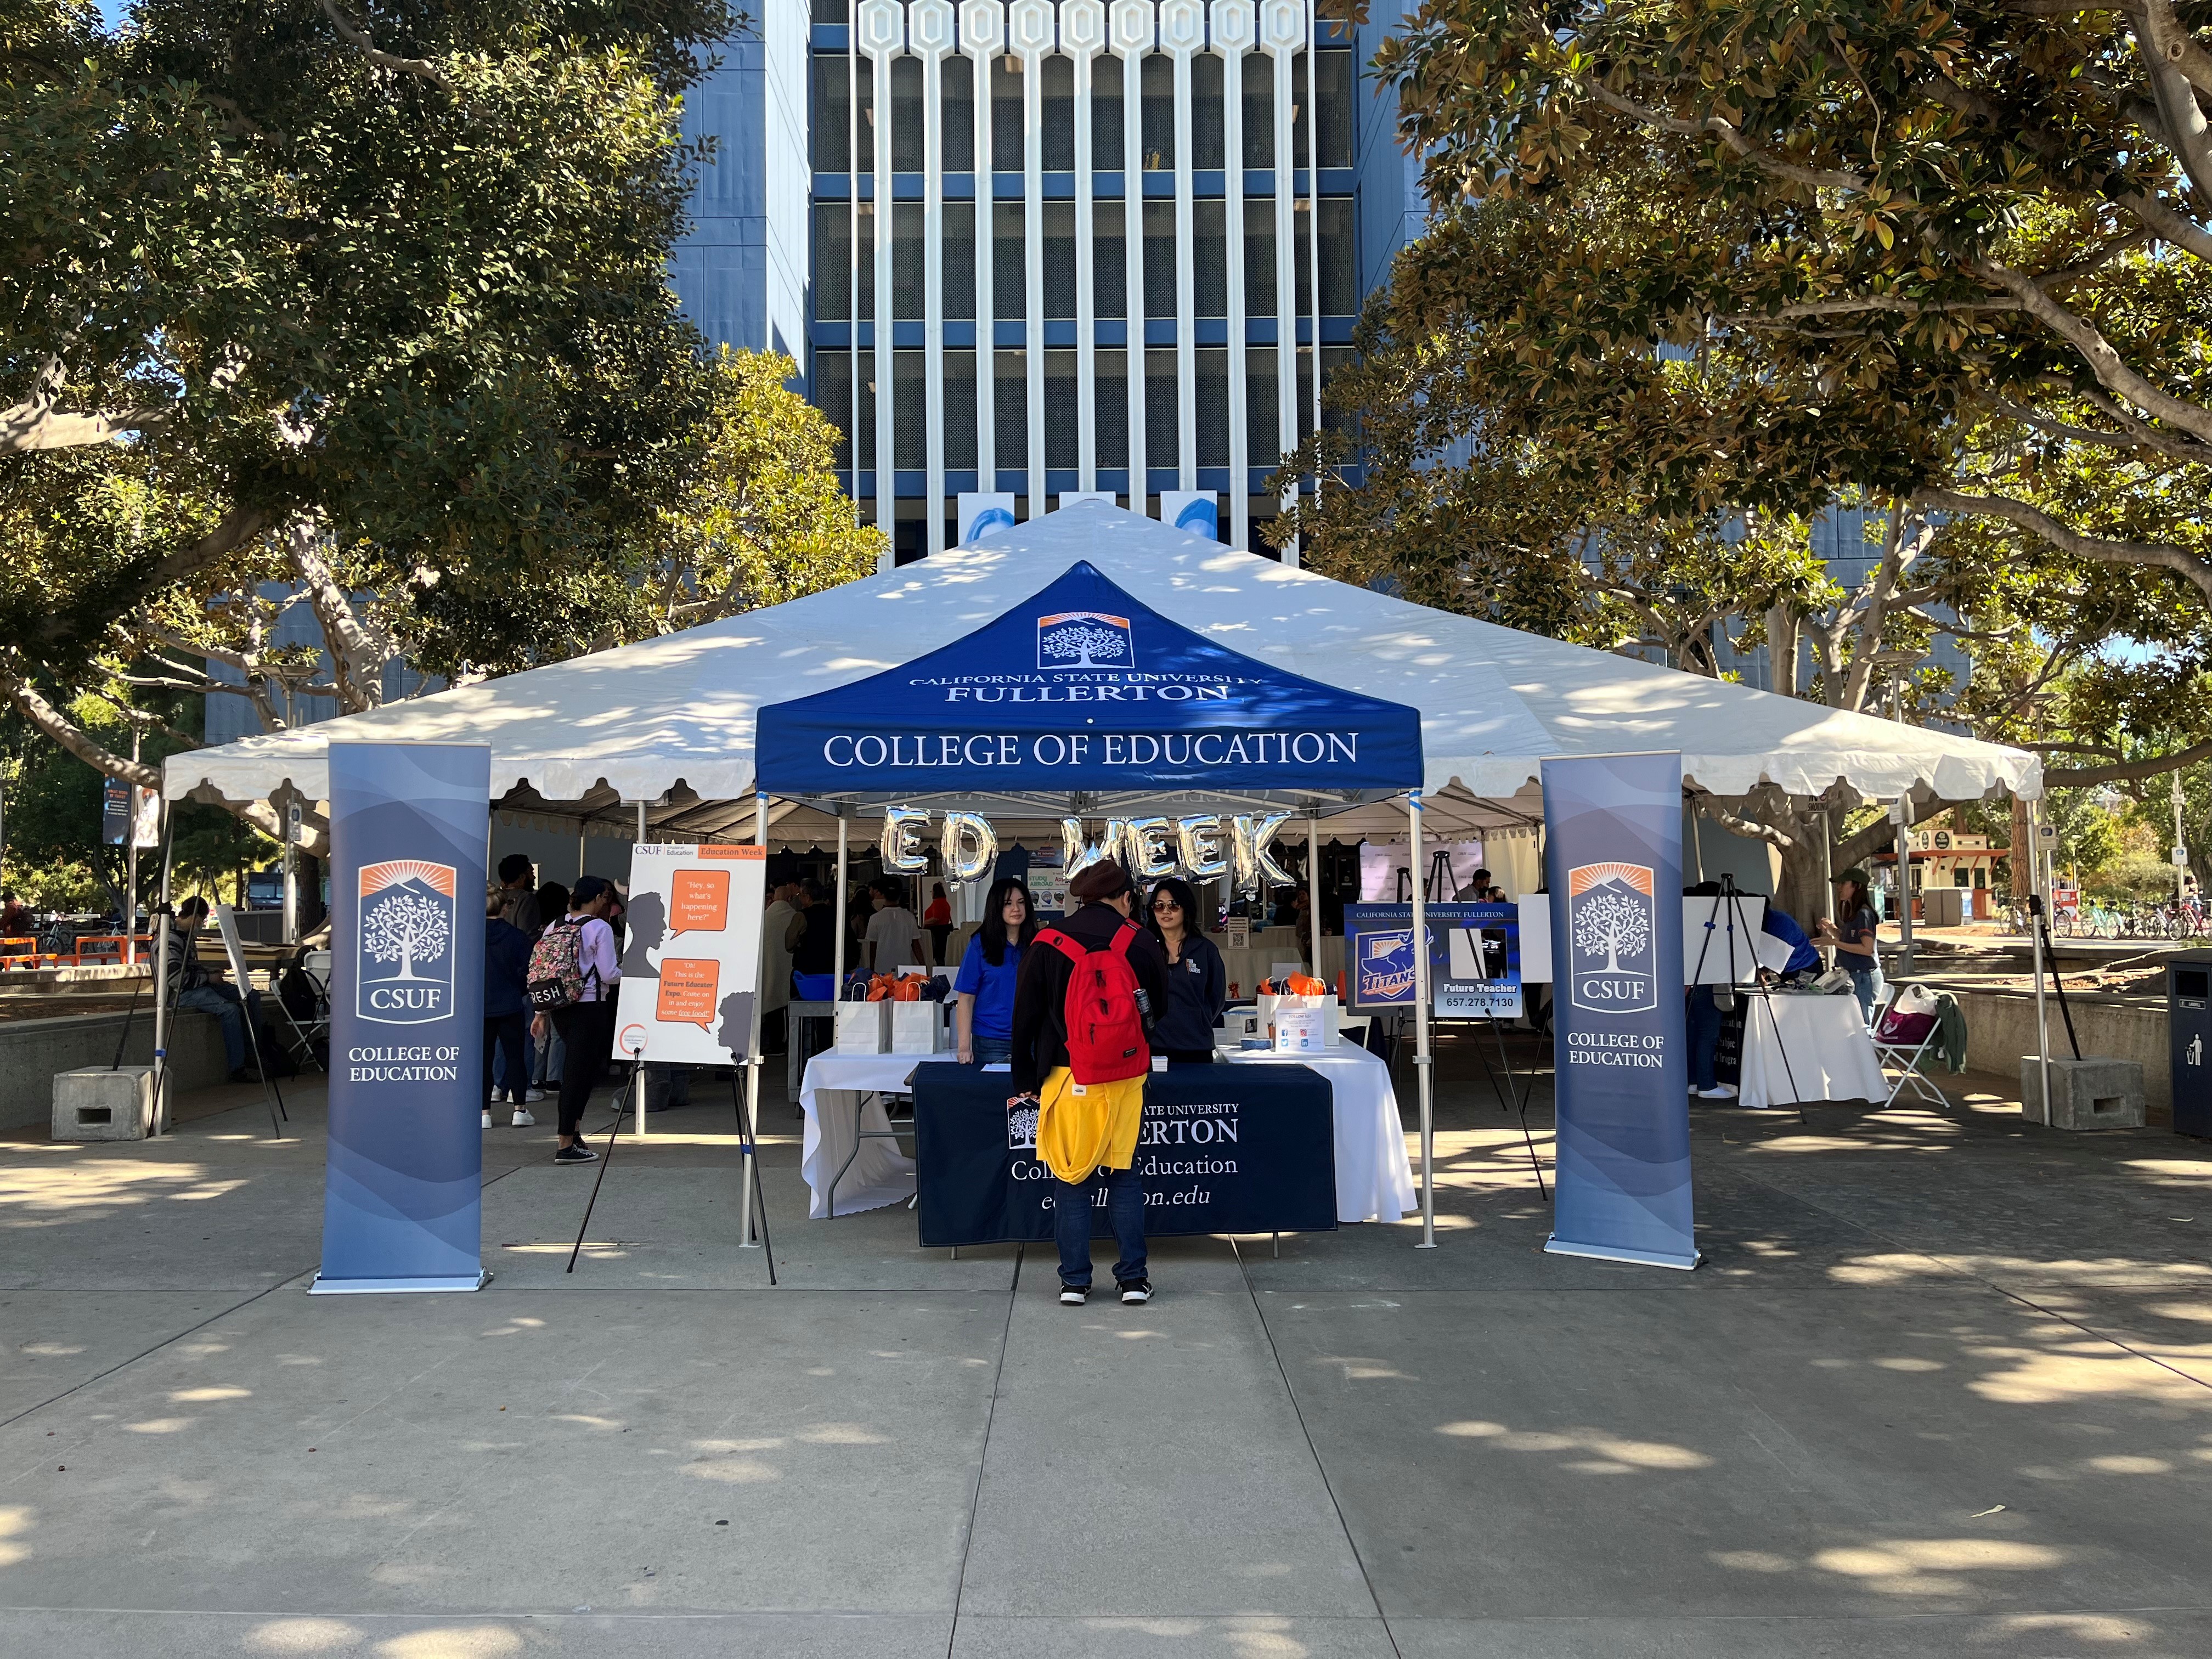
(1105, 1024)
(556, 967)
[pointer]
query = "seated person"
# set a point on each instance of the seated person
(192, 984)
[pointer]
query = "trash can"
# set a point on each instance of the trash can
(2188, 1038)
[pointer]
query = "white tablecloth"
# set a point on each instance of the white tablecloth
(1831, 1054)
(1374, 1175)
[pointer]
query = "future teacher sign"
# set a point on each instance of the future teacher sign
(690, 970)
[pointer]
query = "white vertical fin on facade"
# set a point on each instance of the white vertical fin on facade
(1132, 26)
(1313, 192)
(983, 37)
(1282, 32)
(853, 237)
(1082, 37)
(1029, 32)
(1231, 26)
(929, 34)
(883, 36)
(1182, 36)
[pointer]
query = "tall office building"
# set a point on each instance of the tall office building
(1107, 246)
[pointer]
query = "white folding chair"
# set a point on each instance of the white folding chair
(1901, 1041)
(313, 1034)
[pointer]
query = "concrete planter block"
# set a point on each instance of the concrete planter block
(99, 1104)
(2085, 1094)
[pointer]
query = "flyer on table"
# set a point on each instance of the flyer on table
(691, 967)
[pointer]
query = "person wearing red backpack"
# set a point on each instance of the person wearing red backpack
(1088, 990)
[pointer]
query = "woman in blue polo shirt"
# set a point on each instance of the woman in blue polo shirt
(984, 1014)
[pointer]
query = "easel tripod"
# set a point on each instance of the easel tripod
(1759, 990)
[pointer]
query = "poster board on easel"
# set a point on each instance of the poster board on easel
(226, 923)
(690, 971)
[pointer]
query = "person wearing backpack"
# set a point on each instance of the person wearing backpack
(1088, 989)
(572, 974)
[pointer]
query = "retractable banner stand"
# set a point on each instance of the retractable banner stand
(402, 1186)
(1614, 863)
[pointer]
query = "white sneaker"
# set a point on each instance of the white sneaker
(1718, 1091)
(533, 1094)
(487, 1117)
(523, 1120)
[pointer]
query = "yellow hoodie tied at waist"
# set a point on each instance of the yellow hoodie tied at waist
(1086, 1126)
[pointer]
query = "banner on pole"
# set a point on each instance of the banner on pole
(403, 1175)
(1474, 958)
(1614, 864)
(692, 966)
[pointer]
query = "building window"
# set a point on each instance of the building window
(1259, 110)
(1263, 409)
(1010, 403)
(1110, 405)
(1006, 113)
(909, 411)
(906, 262)
(1060, 410)
(1158, 83)
(1333, 359)
(833, 395)
(906, 115)
(1333, 79)
(865, 301)
(1060, 261)
(958, 255)
(956, 94)
(1160, 408)
(1208, 119)
(959, 410)
(832, 262)
(1059, 94)
(1109, 262)
(1260, 258)
(831, 12)
(1339, 257)
(1212, 368)
(1209, 260)
(1106, 113)
(1009, 285)
(1159, 259)
(833, 114)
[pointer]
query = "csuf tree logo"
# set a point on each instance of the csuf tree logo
(405, 943)
(1613, 938)
(1085, 639)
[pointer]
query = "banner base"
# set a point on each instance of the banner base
(1558, 1246)
(322, 1286)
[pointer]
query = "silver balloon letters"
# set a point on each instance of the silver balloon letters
(1151, 848)
(901, 840)
(1254, 863)
(1078, 851)
(1197, 843)
(968, 848)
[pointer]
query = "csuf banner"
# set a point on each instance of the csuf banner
(1612, 861)
(402, 1185)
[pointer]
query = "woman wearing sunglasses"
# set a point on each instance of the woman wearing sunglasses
(1198, 985)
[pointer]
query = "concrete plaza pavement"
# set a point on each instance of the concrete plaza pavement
(1944, 1386)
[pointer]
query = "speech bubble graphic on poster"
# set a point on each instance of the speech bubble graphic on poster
(698, 903)
(687, 991)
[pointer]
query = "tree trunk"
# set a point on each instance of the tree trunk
(2019, 859)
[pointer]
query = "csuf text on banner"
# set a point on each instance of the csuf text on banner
(1145, 748)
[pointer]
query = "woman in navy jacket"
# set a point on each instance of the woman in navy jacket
(505, 1008)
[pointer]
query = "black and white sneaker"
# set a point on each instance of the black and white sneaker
(1136, 1289)
(1074, 1296)
(579, 1153)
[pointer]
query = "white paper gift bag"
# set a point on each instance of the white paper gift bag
(864, 1028)
(917, 1028)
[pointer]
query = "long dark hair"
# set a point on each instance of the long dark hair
(994, 930)
(1861, 899)
(1180, 891)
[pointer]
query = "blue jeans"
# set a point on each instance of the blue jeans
(991, 1051)
(1071, 1224)
(1702, 1030)
(1862, 988)
(222, 1002)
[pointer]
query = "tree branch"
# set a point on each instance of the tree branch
(2156, 555)
(1888, 303)
(357, 38)
(2105, 362)
(1742, 826)
(2172, 41)
(2137, 436)
(66, 732)
(1712, 127)
(2123, 771)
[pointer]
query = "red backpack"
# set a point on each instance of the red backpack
(1105, 1029)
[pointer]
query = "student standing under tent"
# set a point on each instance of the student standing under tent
(894, 937)
(1087, 1132)
(938, 919)
(506, 1006)
(983, 1017)
(587, 1024)
(1852, 936)
(1198, 982)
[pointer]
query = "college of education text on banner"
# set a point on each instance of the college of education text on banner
(1084, 687)
(1612, 861)
(692, 965)
(404, 1175)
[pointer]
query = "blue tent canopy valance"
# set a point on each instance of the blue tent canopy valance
(1085, 689)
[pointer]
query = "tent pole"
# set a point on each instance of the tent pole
(162, 1012)
(2038, 905)
(746, 1175)
(1313, 889)
(1421, 1056)
(837, 956)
